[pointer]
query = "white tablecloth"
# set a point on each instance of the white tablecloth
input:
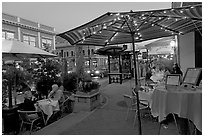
(48, 106)
(185, 103)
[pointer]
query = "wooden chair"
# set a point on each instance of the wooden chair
(29, 118)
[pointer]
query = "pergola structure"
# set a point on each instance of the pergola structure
(136, 26)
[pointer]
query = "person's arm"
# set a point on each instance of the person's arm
(51, 94)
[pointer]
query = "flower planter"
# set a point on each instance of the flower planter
(86, 101)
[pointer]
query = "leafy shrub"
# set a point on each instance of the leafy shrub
(87, 86)
(70, 82)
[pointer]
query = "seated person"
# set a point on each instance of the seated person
(28, 104)
(62, 95)
(56, 93)
(176, 69)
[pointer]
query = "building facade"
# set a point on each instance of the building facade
(30, 32)
(91, 61)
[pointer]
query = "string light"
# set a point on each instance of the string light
(164, 11)
(152, 24)
(192, 7)
(181, 11)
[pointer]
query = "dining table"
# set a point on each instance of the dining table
(48, 106)
(186, 103)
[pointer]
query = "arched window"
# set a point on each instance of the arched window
(72, 53)
(67, 53)
(92, 51)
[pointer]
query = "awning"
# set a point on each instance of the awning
(116, 28)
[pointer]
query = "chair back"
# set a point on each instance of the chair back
(23, 116)
(62, 105)
(128, 100)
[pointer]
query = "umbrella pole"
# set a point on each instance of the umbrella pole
(136, 86)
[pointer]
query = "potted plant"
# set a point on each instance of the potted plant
(87, 96)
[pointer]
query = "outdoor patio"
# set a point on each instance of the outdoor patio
(108, 119)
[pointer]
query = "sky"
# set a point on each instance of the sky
(64, 16)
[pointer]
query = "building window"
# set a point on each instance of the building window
(46, 44)
(67, 53)
(83, 52)
(92, 51)
(30, 40)
(72, 53)
(7, 35)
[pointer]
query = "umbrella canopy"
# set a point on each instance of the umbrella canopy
(117, 28)
(13, 49)
(110, 50)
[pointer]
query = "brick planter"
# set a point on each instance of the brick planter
(86, 101)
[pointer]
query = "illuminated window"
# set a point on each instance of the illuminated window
(7, 35)
(30, 40)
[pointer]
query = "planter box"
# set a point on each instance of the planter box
(86, 101)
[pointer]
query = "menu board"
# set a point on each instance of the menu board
(173, 79)
(192, 76)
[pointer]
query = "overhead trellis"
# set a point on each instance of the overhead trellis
(115, 28)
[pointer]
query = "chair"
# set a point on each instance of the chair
(162, 124)
(29, 118)
(132, 105)
(62, 107)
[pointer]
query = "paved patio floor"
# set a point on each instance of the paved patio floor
(109, 119)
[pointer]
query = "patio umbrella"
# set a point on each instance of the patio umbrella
(130, 27)
(109, 50)
(16, 50)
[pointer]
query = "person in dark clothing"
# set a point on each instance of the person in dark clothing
(28, 104)
(176, 69)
